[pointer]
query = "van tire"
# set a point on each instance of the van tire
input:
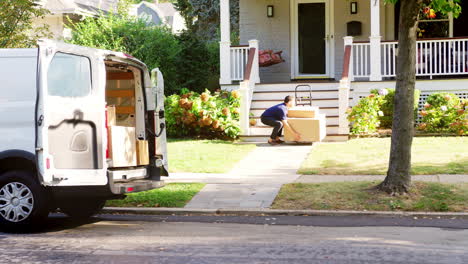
(82, 208)
(23, 201)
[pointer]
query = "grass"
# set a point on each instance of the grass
(423, 196)
(172, 195)
(369, 156)
(205, 156)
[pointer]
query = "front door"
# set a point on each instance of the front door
(311, 39)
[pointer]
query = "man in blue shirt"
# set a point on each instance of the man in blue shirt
(276, 117)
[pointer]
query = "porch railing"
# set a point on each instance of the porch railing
(239, 57)
(246, 88)
(434, 57)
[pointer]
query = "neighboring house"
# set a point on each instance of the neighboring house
(160, 14)
(340, 48)
(74, 9)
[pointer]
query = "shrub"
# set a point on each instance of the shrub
(445, 112)
(387, 106)
(194, 60)
(364, 116)
(208, 115)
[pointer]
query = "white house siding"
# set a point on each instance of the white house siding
(343, 15)
(274, 33)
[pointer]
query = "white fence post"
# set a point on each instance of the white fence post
(255, 67)
(244, 89)
(225, 43)
(343, 101)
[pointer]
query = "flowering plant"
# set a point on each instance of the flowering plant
(213, 115)
(364, 117)
(445, 112)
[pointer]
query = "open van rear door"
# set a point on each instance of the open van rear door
(157, 88)
(70, 115)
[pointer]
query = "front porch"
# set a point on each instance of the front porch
(339, 68)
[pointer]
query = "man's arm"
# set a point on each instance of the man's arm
(287, 126)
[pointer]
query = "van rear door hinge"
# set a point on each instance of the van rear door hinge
(40, 120)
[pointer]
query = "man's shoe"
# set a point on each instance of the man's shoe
(279, 141)
(273, 143)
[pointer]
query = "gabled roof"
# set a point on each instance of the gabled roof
(167, 8)
(90, 7)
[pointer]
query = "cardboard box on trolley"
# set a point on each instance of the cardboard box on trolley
(303, 112)
(311, 129)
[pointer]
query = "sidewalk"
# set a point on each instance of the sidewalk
(253, 183)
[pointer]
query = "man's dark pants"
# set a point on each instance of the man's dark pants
(276, 124)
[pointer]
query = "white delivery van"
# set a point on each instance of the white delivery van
(78, 126)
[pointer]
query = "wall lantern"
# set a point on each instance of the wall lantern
(353, 8)
(270, 11)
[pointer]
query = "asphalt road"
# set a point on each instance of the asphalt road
(233, 239)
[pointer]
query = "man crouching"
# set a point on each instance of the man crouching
(276, 117)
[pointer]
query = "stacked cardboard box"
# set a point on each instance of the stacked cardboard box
(308, 122)
(124, 149)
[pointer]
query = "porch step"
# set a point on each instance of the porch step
(321, 102)
(280, 95)
(264, 138)
(328, 111)
(315, 86)
(330, 119)
(265, 130)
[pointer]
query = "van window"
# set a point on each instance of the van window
(69, 76)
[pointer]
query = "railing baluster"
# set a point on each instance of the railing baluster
(459, 56)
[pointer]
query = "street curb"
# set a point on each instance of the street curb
(275, 212)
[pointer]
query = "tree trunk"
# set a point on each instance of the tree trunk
(398, 177)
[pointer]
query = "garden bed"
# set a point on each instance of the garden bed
(369, 156)
(361, 196)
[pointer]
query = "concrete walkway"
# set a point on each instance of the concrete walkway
(257, 179)
(253, 183)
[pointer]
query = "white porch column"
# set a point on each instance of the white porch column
(375, 38)
(225, 43)
(256, 67)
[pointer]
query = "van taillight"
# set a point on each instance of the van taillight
(48, 163)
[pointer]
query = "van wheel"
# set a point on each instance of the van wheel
(80, 208)
(23, 201)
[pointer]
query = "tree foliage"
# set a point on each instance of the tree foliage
(16, 27)
(156, 46)
(203, 16)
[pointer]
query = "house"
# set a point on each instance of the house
(341, 49)
(160, 14)
(74, 9)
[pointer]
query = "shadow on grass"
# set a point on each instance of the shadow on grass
(332, 167)
(201, 141)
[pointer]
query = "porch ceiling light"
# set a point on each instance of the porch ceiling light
(270, 11)
(353, 8)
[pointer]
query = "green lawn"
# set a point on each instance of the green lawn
(205, 156)
(360, 196)
(369, 156)
(172, 195)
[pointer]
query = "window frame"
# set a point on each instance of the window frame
(90, 90)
